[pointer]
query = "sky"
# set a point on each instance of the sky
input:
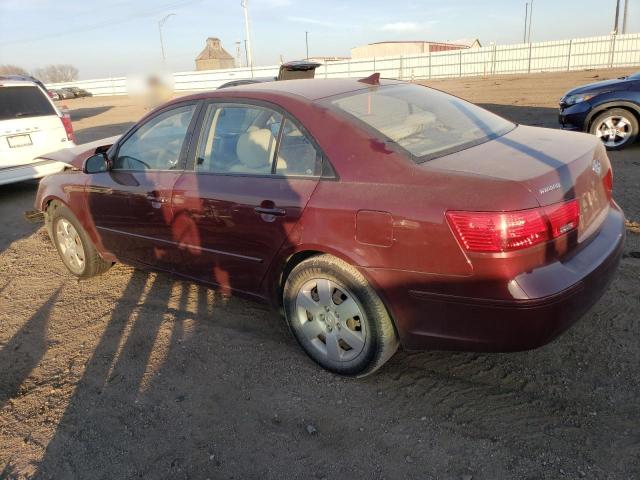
(120, 37)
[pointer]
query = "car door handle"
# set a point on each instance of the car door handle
(278, 212)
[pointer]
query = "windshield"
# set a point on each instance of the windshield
(426, 123)
(20, 102)
(635, 76)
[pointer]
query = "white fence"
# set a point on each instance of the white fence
(564, 55)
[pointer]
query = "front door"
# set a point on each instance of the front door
(254, 173)
(131, 204)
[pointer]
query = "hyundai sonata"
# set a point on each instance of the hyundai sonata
(374, 213)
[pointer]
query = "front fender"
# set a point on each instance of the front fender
(607, 104)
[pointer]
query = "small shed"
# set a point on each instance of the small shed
(214, 57)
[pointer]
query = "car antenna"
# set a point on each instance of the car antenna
(373, 79)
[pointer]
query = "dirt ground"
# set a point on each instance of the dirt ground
(140, 375)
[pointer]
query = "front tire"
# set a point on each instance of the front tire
(76, 250)
(337, 317)
(617, 128)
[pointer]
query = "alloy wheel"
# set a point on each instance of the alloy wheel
(330, 319)
(614, 131)
(70, 245)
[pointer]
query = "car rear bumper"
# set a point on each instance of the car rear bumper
(428, 319)
(29, 171)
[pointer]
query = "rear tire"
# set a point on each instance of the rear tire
(617, 128)
(337, 317)
(77, 251)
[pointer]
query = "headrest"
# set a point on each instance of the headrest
(255, 148)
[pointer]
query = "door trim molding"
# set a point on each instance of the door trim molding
(186, 245)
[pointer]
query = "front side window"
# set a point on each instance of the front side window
(424, 122)
(238, 139)
(157, 144)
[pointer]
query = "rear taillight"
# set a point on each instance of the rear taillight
(68, 128)
(608, 183)
(509, 231)
(563, 217)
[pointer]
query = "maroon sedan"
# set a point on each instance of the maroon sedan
(374, 213)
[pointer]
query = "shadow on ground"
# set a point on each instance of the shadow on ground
(24, 351)
(15, 199)
(182, 382)
(82, 113)
(525, 115)
(91, 134)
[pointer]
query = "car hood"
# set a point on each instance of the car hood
(77, 155)
(602, 86)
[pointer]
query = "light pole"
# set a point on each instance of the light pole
(624, 16)
(615, 21)
(247, 29)
(530, 17)
(160, 24)
(238, 56)
(306, 41)
(526, 15)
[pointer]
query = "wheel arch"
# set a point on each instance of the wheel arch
(44, 205)
(633, 108)
(293, 258)
(85, 222)
(288, 260)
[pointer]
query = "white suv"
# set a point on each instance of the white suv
(30, 126)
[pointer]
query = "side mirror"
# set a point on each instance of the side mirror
(96, 164)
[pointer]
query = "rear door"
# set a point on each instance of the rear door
(29, 125)
(255, 170)
(131, 204)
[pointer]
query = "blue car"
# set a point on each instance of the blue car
(608, 109)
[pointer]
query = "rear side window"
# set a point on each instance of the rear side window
(296, 153)
(20, 102)
(424, 122)
(238, 139)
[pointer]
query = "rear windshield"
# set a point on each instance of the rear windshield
(20, 102)
(424, 122)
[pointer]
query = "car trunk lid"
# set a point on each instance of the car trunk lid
(297, 69)
(554, 166)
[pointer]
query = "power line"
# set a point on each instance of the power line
(104, 23)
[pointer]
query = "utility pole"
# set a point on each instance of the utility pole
(530, 17)
(246, 54)
(247, 30)
(615, 22)
(160, 24)
(526, 15)
(238, 56)
(306, 41)
(624, 16)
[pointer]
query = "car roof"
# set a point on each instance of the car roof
(310, 89)
(16, 83)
